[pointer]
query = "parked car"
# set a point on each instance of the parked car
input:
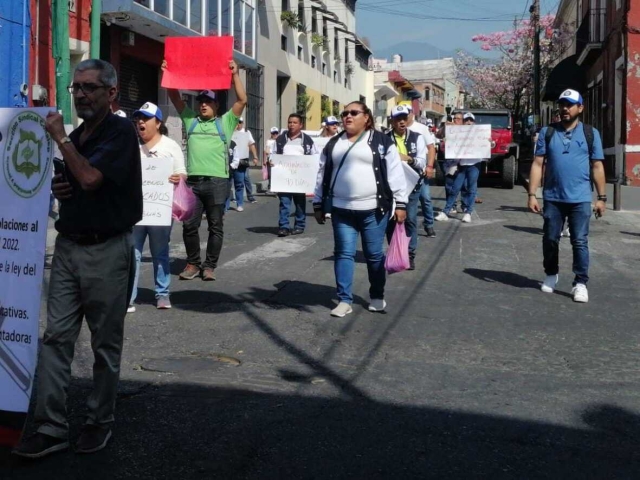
(505, 153)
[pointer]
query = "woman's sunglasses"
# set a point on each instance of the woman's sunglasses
(353, 113)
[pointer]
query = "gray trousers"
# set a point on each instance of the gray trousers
(92, 282)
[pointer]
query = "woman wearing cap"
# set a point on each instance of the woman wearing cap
(360, 177)
(330, 127)
(154, 142)
(467, 175)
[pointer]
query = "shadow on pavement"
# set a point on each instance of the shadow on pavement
(187, 431)
(508, 278)
(519, 228)
(270, 230)
(633, 234)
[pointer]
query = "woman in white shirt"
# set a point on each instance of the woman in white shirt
(360, 179)
(154, 142)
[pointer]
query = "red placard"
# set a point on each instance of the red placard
(198, 63)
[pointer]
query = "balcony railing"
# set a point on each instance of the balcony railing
(591, 33)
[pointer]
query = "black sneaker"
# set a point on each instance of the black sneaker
(297, 231)
(40, 445)
(93, 438)
(253, 200)
(412, 263)
(431, 233)
(284, 232)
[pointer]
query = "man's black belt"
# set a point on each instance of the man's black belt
(90, 238)
(199, 177)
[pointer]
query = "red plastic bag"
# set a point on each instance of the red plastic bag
(184, 202)
(265, 172)
(398, 253)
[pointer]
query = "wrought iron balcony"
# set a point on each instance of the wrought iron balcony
(590, 35)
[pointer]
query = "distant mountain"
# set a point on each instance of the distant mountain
(412, 51)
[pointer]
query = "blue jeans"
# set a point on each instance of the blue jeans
(159, 238)
(578, 215)
(248, 185)
(238, 183)
(300, 202)
(467, 176)
(371, 225)
(425, 202)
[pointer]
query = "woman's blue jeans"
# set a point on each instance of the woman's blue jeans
(371, 226)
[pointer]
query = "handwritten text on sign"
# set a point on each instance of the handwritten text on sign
(157, 191)
(468, 141)
(294, 173)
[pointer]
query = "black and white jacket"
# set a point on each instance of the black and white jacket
(387, 168)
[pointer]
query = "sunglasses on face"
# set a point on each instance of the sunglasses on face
(353, 113)
(87, 88)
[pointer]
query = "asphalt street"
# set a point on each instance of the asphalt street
(471, 373)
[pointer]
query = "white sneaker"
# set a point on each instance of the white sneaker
(565, 233)
(377, 305)
(327, 216)
(580, 293)
(466, 218)
(240, 209)
(341, 310)
(549, 284)
(131, 309)
(442, 217)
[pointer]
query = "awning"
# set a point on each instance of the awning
(566, 74)
(381, 90)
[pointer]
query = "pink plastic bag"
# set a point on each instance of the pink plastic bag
(265, 172)
(184, 202)
(398, 253)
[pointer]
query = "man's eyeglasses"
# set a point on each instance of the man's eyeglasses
(353, 113)
(87, 88)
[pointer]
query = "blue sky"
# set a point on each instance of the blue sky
(384, 29)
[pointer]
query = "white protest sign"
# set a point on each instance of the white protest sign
(294, 173)
(25, 187)
(157, 191)
(411, 177)
(468, 141)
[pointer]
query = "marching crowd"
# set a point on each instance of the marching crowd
(361, 188)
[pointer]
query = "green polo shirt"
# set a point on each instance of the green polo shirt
(206, 152)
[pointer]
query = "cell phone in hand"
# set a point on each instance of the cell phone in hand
(59, 168)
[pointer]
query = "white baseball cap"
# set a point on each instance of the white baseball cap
(149, 110)
(468, 116)
(240, 120)
(399, 110)
(571, 96)
(331, 120)
(275, 130)
(120, 113)
(209, 94)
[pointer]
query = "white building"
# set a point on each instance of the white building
(311, 60)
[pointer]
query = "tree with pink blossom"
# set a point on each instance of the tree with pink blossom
(508, 81)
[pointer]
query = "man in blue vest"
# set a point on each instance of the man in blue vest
(412, 148)
(574, 156)
(293, 142)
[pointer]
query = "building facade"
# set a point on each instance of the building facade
(311, 60)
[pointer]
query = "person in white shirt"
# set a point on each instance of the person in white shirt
(359, 180)
(467, 175)
(245, 145)
(269, 148)
(429, 171)
(154, 142)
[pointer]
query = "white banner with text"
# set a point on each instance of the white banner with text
(157, 191)
(294, 173)
(467, 141)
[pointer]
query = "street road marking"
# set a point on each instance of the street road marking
(278, 248)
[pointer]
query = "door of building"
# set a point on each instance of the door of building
(138, 84)
(255, 101)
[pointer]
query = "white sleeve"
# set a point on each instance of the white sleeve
(177, 154)
(395, 175)
(430, 139)
(236, 161)
(421, 157)
(251, 140)
(317, 193)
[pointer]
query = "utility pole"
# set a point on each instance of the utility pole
(535, 21)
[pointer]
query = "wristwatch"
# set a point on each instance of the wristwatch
(602, 198)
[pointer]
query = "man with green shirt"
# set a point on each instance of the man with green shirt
(208, 139)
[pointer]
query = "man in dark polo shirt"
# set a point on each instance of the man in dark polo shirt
(100, 194)
(208, 139)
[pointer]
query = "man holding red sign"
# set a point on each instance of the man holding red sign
(208, 138)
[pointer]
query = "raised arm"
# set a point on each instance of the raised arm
(241, 94)
(174, 94)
